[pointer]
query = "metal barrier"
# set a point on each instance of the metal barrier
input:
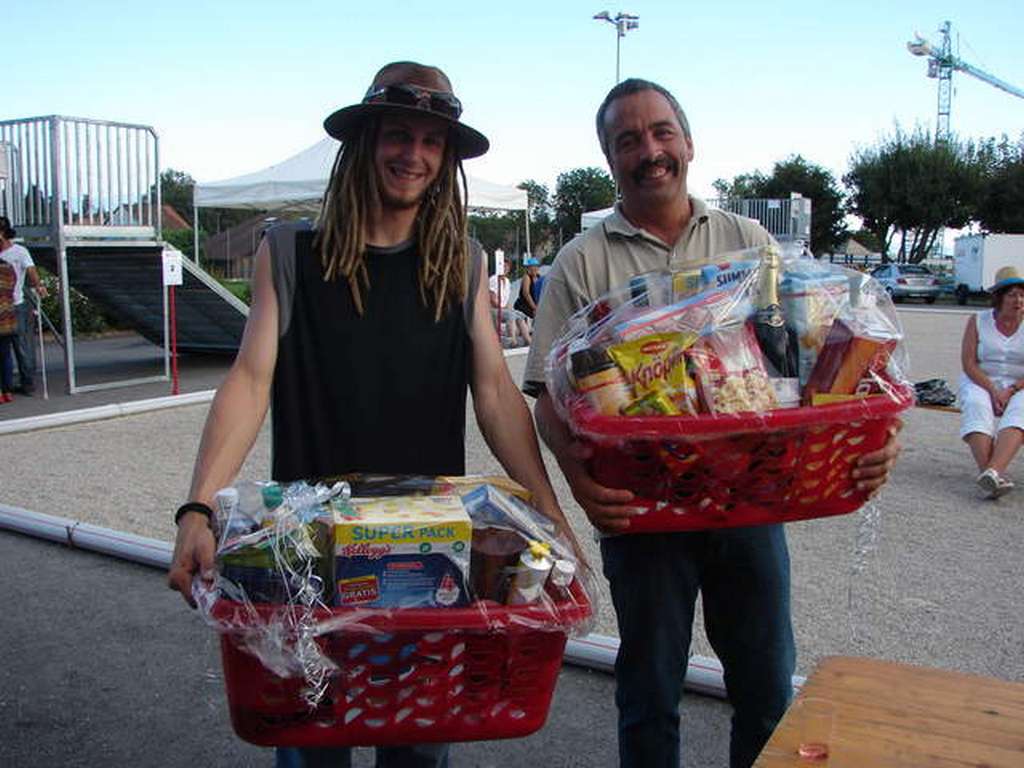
(785, 219)
(71, 181)
(71, 178)
(10, 188)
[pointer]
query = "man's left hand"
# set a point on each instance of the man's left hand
(872, 469)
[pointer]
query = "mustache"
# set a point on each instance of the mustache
(670, 164)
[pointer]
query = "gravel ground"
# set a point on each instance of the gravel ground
(937, 587)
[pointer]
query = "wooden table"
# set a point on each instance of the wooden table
(889, 714)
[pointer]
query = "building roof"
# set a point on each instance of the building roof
(171, 219)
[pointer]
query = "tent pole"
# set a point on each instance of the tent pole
(195, 232)
(526, 213)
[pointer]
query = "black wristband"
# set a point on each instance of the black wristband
(194, 506)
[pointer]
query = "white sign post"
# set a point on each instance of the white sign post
(172, 268)
(499, 270)
(173, 277)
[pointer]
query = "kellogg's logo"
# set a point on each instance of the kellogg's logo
(369, 551)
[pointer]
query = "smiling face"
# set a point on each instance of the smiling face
(647, 149)
(408, 158)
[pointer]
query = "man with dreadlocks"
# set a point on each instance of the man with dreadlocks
(365, 334)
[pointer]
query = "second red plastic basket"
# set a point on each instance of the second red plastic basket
(693, 473)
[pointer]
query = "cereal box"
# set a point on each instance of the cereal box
(402, 552)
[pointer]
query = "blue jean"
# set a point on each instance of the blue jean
(417, 756)
(6, 364)
(743, 576)
(24, 349)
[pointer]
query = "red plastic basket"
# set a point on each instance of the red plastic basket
(700, 472)
(410, 676)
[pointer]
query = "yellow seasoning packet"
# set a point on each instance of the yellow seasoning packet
(656, 364)
(652, 404)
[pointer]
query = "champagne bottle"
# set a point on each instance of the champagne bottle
(777, 343)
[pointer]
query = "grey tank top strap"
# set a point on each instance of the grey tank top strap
(281, 239)
(476, 253)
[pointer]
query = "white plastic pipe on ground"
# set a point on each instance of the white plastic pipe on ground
(703, 674)
(114, 410)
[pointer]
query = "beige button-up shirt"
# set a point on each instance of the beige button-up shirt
(609, 254)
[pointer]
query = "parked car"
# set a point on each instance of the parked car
(908, 281)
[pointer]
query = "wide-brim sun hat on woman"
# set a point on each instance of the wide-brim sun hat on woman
(411, 88)
(1006, 277)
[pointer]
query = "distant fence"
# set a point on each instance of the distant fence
(68, 171)
(785, 219)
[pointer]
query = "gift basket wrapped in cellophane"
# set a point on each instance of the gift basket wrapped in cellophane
(737, 392)
(374, 610)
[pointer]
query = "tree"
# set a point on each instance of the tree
(542, 219)
(746, 185)
(176, 190)
(495, 229)
(539, 197)
(910, 187)
(795, 174)
(1002, 204)
(579, 190)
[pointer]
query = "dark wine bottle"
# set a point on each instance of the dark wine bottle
(778, 344)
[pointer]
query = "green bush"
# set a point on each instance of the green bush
(86, 316)
(181, 239)
(241, 288)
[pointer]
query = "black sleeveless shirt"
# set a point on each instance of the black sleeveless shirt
(384, 392)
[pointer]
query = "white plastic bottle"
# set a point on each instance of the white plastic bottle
(534, 566)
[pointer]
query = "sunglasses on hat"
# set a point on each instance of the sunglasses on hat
(405, 95)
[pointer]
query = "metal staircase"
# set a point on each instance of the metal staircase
(126, 283)
(84, 197)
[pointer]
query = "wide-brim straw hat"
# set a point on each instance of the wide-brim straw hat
(411, 88)
(1005, 278)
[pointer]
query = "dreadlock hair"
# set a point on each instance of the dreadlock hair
(441, 234)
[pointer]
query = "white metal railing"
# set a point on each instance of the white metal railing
(75, 172)
(785, 219)
(10, 188)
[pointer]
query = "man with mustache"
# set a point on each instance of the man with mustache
(742, 573)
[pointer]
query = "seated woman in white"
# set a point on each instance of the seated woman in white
(992, 408)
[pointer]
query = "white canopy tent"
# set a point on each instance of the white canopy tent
(298, 183)
(590, 218)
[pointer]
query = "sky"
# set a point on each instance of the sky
(232, 87)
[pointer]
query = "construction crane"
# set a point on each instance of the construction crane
(941, 64)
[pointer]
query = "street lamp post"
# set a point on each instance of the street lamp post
(623, 22)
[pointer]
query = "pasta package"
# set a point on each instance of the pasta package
(656, 365)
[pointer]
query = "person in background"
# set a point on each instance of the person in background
(742, 573)
(530, 288)
(516, 323)
(364, 335)
(991, 406)
(8, 329)
(25, 269)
